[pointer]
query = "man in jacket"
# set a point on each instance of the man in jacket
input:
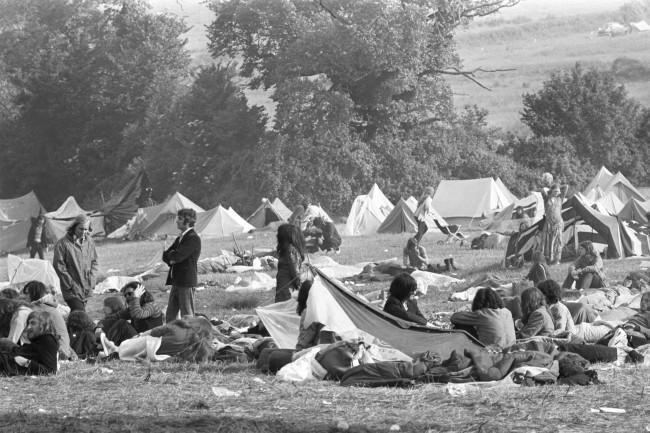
(182, 257)
(75, 262)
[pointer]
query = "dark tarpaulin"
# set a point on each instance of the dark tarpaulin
(124, 205)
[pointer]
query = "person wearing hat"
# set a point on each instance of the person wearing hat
(75, 263)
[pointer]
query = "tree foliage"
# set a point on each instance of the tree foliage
(593, 118)
(84, 72)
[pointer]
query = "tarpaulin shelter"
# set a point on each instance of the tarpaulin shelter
(21, 271)
(367, 213)
(124, 205)
(635, 210)
(351, 317)
(463, 201)
(527, 210)
(15, 220)
(58, 221)
(220, 222)
(159, 221)
(399, 220)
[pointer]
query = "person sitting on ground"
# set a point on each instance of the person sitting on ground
(13, 319)
(38, 357)
(82, 334)
(637, 327)
(415, 256)
(115, 322)
(42, 300)
(562, 318)
(538, 271)
(587, 271)
(400, 302)
(535, 317)
(489, 320)
(143, 312)
(331, 239)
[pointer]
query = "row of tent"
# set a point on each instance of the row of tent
(610, 211)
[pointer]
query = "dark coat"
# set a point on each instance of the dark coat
(395, 307)
(185, 255)
(41, 352)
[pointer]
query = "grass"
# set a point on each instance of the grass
(170, 397)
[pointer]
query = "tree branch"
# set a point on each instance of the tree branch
(470, 75)
(333, 15)
(481, 10)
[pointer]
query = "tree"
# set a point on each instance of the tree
(207, 140)
(379, 67)
(591, 112)
(85, 72)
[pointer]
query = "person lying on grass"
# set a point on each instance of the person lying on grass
(35, 358)
(535, 317)
(143, 312)
(489, 320)
(188, 339)
(401, 303)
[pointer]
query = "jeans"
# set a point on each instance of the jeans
(180, 299)
(36, 247)
(422, 229)
(75, 304)
(587, 280)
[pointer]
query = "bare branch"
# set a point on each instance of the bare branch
(332, 14)
(470, 75)
(484, 9)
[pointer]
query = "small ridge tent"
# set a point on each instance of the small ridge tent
(266, 214)
(528, 210)
(16, 219)
(367, 213)
(159, 221)
(399, 220)
(58, 221)
(220, 222)
(601, 179)
(282, 209)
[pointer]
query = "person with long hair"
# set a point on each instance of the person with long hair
(400, 302)
(291, 253)
(554, 224)
(75, 263)
(81, 330)
(41, 299)
(424, 213)
(13, 319)
(587, 271)
(535, 317)
(36, 357)
(562, 318)
(490, 321)
(143, 312)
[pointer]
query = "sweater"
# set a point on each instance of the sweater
(41, 352)
(493, 326)
(397, 308)
(539, 323)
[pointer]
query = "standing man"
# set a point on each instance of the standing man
(182, 257)
(36, 239)
(424, 213)
(75, 262)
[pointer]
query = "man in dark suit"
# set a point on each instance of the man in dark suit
(182, 257)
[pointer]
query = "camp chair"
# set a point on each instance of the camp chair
(453, 234)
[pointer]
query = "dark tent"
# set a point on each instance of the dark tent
(603, 229)
(399, 220)
(634, 210)
(122, 206)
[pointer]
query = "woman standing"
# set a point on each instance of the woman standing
(554, 224)
(291, 253)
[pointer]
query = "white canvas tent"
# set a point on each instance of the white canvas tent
(601, 179)
(282, 209)
(220, 222)
(463, 201)
(160, 221)
(400, 220)
(528, 210)
(266, 214)
(59, 220)
(622, 188)
(609, 204)
(412, 202)
(367, 213)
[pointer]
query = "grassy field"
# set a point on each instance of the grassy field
(170, 397)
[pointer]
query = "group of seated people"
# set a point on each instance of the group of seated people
(36, 332)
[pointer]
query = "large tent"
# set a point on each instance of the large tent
(15, 221)
(160, 221)
(220, 222)
(58, 221)
(463, 201)
(605, 182)
(367, 213)
(581, 222)
(608, 204)
(527, 210)
(600, 180)
(346, 314)
(400, 220)
(635, 210)
(267, 213)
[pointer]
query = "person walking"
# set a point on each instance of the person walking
(182, 257)
(75, 263)
(424, 213)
